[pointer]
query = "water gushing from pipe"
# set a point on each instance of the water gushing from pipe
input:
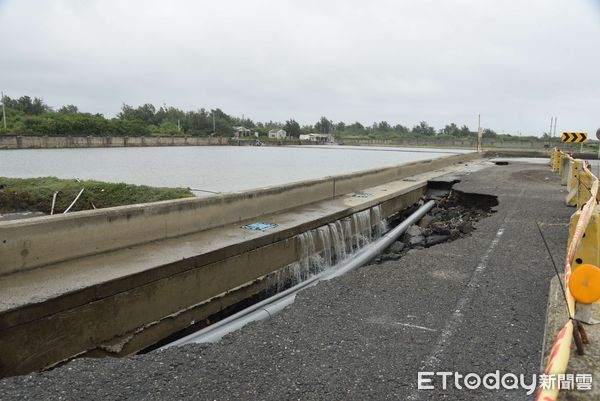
(327, 245)
(265, 309)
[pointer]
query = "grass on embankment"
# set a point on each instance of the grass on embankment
(35, 194)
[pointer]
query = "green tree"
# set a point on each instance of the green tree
(145, 113)
(198, 122)
(292, 128)
(489, 133)
(223, 123)
(465, 131)
(27, 105)
(356, 128)
(169, 115)
(324, 126)
(451, 129)
(384, 126)
(423, 129)
(68, 109)
(401, 129)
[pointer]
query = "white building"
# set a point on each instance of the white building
(239, 132)
(319, 138)
(277, 134)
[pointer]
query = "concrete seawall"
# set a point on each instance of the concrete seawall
(43, 142)
(456, 143)
(115, 281)
(35, 242)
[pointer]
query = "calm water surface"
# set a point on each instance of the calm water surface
(210, 168)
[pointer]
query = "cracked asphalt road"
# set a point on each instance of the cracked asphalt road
(473, 305)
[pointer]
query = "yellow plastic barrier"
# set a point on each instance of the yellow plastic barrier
(586, 178)
(565, 165)
(560, 164)
(583, 220)
(570, 173)
(574, 181)
(588, 252)
(555, 159)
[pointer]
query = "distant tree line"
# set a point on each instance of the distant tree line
(32, 116)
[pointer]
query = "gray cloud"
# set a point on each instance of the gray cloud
(515, 62)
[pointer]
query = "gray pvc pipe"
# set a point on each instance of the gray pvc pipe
(265, 309)
(74, 201)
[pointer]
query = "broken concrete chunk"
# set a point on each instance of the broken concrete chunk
(416, 240)
(436, 239)
(440, 227)
(414, 231)
(397, 247)
(390, 256)
(426, 221)
(466, 227)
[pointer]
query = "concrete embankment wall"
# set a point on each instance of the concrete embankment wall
(120, 314)
(42, 142)
(26, 244)
(457, 143)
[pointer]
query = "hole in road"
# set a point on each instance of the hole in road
(453, 217)
(442, 184)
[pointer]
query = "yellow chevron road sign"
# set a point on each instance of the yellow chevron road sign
(574, 136)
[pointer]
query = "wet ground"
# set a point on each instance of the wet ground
(476, 304)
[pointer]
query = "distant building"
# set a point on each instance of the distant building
(304, 137)
(277, 134)
(239, 132)
(319, 138)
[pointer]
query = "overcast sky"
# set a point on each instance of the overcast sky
(516, 62)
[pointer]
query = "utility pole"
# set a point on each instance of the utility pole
(214, 129)
(550, 132)
(3, 110)
(554, 134)
(479, 133)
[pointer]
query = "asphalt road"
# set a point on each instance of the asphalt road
(473, 305)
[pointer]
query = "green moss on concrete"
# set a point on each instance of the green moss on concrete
(35, 194)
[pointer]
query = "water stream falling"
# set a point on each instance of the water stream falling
(361, 223)
(338, 239)
(328, 245)
(380, 225)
